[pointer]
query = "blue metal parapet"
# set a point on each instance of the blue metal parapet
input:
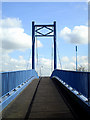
(77, 82)
(13, 83)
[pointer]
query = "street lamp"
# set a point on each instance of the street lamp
(76, 58)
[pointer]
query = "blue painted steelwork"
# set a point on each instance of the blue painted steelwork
(76, 58)
(89, 87)
(11, 80)
(33, 45)
(36, 33)
(55, 58)
(79, 81)
(6, 99)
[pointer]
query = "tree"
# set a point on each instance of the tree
(81, 68)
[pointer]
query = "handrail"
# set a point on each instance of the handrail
(79, 81)
(11, 80)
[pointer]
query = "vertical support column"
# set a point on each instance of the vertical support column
(76, 58)
(33, 45)
(89, 88)
(55, 57)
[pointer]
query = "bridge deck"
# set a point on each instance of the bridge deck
(47, 103)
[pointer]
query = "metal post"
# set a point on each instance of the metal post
(76, 58)
(55, 61)
(33, 45)
(88, 88)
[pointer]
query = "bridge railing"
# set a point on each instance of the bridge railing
(79, 81)
(10, 80)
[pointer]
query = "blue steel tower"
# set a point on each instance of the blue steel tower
(37, 33)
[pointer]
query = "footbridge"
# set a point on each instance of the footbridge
(63, 95)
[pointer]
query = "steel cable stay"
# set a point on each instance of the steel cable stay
(58, 56)
(29, 56)
(52, 53)
(27, 66)
(28, 60)
(36, 52)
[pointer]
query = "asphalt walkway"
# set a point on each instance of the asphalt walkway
(19, 106)
(46, 103)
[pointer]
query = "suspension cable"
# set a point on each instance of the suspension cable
(52, 57)
(58, 53)
(27, 66)
(59, 57)
(36, 52)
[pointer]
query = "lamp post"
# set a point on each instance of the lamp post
(76, 58)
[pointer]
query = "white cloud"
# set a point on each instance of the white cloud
(87, 0)
(45, 66)
(80, 59)
(79, 34)
(12, 64)
(13, 36)
(11, 23)
(39, 44)
(68, 66)
(65, 59)
(70, 63)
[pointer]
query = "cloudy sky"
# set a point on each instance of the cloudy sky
(16, 34)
